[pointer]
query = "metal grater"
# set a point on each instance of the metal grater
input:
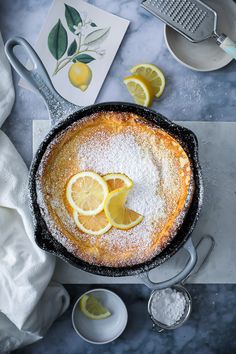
(192, 18)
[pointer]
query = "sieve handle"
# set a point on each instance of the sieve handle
(177, 278)
(228, 45)
(156, 328)
(39, 79)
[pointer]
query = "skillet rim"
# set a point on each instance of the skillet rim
(188, 141)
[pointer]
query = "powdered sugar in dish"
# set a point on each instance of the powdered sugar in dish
(168, 306)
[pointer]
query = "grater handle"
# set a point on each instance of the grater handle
(228, 45)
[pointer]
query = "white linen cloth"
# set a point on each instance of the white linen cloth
(28, 302)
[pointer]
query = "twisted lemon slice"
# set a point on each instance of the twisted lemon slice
(117, 213)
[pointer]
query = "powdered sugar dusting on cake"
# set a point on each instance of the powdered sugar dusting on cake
(122, 154)
(155, 178)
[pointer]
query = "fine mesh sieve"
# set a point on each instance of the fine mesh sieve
(160, 327)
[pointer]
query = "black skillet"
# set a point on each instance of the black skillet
(63, 114)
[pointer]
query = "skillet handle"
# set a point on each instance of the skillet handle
(177, 278)
(39, 80)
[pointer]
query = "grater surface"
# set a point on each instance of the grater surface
(191, 18)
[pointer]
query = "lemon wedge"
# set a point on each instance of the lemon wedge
(153, 75)
(92, 224)
(117, 213)
(86, 193)
(140, 89)
(92, 308)
(118, 180)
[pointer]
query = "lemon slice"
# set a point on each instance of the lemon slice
(140, 89)
(117, 213)
(92, 308)
(86, 193)
(118, 180)
(153, 75)
(92, 224)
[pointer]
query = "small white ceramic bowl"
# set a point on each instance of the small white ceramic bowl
(101, 331)
(203, 56)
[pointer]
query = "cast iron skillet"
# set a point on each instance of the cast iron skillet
(63, 114)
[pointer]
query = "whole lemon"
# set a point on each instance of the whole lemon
(80, 75)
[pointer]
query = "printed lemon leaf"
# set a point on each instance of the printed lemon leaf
(96, 36)
(73, 18)
(57, 40)
(72, 48)
(83, 58)
(92, 24)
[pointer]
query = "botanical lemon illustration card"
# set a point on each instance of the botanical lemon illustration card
(77, 46)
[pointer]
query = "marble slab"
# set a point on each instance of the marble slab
(217, 150)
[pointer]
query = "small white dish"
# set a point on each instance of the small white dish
(101, 331)
(203, 56)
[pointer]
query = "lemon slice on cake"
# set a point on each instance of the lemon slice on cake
(92, 224)
(153, 75)
(140, 89)
(117, 213)
(86, 193)
(92, 308)
(117, 180)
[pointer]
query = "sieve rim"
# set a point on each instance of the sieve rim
(184, 317)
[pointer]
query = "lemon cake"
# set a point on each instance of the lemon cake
(126, 144)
